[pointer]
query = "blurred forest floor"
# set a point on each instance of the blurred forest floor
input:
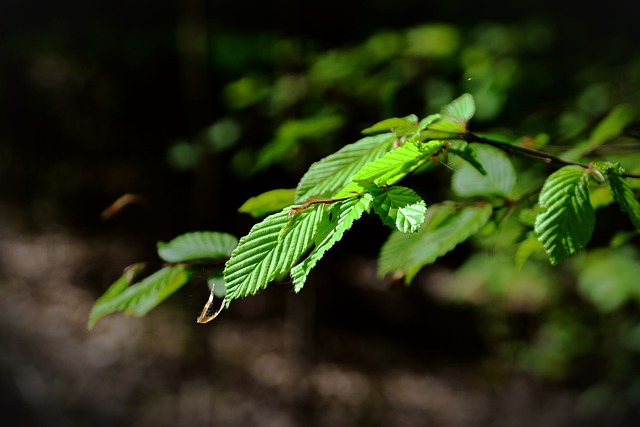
(259, 367)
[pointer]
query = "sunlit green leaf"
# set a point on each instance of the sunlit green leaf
(399, 207)
(268, 202)
(432, 118)
(566, 218)
(338, 218)
(140, 298)
(197, 245)
(395, 165)
(116, 288)
(456, 115)
(329, 175)
(445, 227)
(499, 180)
(270, 249)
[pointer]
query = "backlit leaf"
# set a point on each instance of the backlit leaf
(394, 165)
(456, 115)
(270, 249)
(399, 207)
(339, 218)
(329, 175)
(566, 218)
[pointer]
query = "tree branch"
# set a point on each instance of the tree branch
(531, 153)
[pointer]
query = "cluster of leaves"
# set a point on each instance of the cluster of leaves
(185, 256)
(362, 177)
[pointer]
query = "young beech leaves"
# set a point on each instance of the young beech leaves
(186, 255)
(393, 166)
(456, 115)
(396, 164)
(566, 218)
(338, 218)
(399, 207)
(303, 224)
(270, 249)
(329, 175)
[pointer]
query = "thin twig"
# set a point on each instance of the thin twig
(530, 152)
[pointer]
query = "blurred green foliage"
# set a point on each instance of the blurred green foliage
(295, 91)
(582, 316)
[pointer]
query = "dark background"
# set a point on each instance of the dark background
(93, 95)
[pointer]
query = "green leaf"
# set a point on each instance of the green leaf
(116, 288)
(399, 207)
(270, 249)
(432, 118)
(566, 218)
(456, 115)
(197, 245)
(393, 166)
(339, 218)
(464, 150)
(444, 229)
(268, 202)
(623, 194)
(387, 125)
(329, 175)
(612, 125)
(141, 297)
(499, 180)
